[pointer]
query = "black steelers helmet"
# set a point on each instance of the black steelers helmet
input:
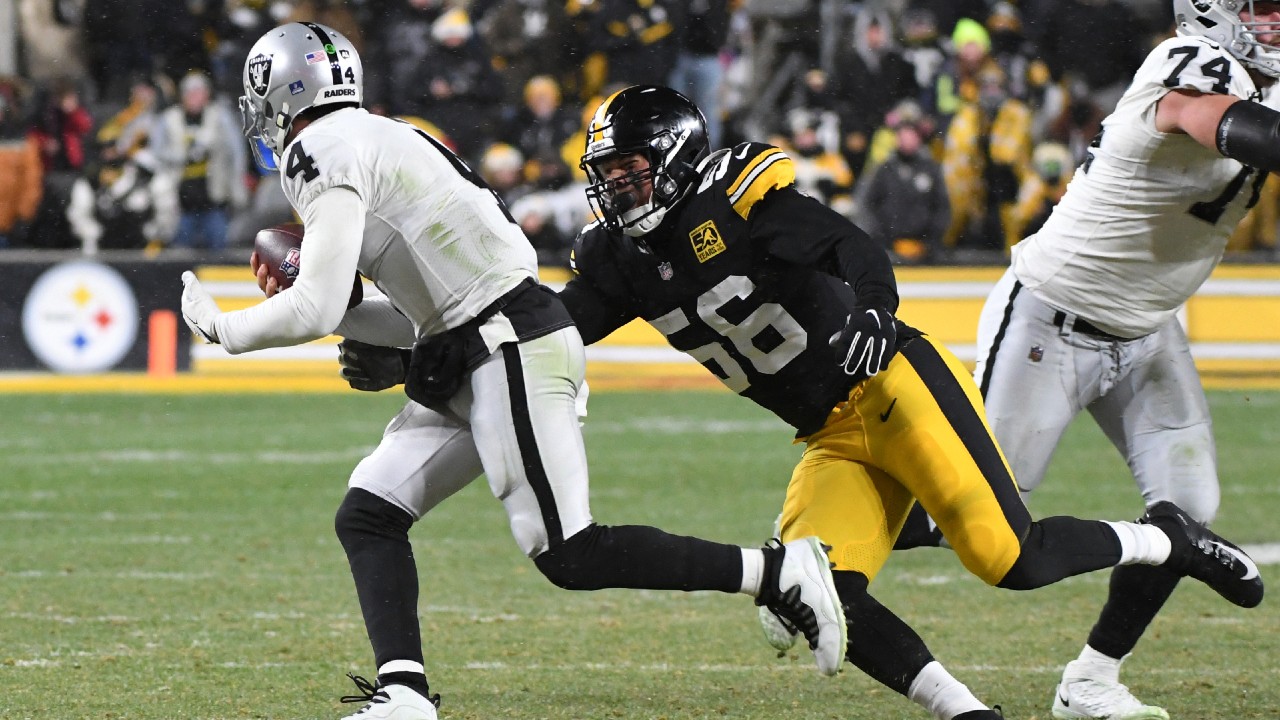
(663, 125)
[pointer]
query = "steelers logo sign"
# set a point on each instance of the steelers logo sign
(80, 317)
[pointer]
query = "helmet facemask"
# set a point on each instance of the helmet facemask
(616, 199)
(1221, 22)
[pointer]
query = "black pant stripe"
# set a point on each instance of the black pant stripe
(995, 345)
(968, 426)
(528, 443)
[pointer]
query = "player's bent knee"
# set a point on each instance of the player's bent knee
(363, 514)
(574, 563)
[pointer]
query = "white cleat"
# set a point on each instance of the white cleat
(801, 592)
(1089, 699)
(391, 702)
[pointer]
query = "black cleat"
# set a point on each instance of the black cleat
(993, 714)
(1200, 553)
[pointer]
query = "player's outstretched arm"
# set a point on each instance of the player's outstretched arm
(1239, 129)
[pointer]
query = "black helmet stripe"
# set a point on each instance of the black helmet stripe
(329, 50)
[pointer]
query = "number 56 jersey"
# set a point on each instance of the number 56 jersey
(1146, 217)
(741, 276)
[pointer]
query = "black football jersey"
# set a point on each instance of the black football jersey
(748, 276)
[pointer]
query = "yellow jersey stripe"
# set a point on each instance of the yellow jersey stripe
(771, 169)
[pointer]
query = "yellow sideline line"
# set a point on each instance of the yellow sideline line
(310, 379)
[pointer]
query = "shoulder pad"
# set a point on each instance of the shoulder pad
(746, 172)
(586, 248)
(1195, 63)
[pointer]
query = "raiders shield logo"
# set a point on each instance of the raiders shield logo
(259, 74)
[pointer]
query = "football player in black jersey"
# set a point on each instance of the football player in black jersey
(792, 306)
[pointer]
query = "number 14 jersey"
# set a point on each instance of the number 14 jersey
(1147, 215)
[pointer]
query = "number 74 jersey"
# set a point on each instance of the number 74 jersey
(1147, 215)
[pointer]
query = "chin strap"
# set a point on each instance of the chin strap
(1250, 132)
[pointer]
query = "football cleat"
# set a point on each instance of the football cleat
(778, 632)
(1089, 699)
(798, 589)
(1198, 552)
(391, 702)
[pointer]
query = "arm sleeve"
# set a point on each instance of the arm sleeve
(591, 311)
(334, 227)
(802, 231)
(377, 321)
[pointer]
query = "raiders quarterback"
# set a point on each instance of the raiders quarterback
(1085, 318)
(495, 374)
(792, 306)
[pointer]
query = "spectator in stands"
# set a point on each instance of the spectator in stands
(987, 151)
(638, 39)
(62, 128)
(957, 83)
(527, 38)
(129, 130)
(904, 202)
(121, 204)
(699, 69)
(198, 141)
(21, 174)
(1052, 167)
(554, 209)
(821, 171)
(870, 76)
(457, 87)
(399, 51)
(949, 13)
(1078, 122)
(922, 49)
(502, 168)
(542, 120)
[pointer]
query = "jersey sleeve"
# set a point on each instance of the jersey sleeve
(316, 162)
(595, 311)
(1194, 63)
(749, 171)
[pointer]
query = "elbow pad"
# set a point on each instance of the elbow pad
(1250, 132)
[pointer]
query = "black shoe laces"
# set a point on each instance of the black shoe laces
(786, 604)
(371, 694)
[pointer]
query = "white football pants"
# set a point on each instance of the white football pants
(1144, 393)
(518, 422)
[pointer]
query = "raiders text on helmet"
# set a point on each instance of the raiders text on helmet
(664, 126)
(291, 69)
(1221, 21)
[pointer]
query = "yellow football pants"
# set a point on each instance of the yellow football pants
(915, 431)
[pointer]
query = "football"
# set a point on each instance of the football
(280, 249)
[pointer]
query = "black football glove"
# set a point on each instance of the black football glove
(868, 342)
(370, 367)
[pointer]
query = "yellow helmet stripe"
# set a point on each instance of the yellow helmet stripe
(597, 120)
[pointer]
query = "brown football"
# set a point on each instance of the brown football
(280, 249)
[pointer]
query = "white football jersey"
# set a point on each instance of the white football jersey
(1146, 217)
(437, 241)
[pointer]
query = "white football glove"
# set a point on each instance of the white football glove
(198, 308)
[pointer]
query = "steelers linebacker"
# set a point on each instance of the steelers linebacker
(791, 305)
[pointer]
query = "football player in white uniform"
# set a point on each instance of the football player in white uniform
(1085, 317)
(496, 377)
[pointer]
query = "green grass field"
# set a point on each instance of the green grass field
(167, 557)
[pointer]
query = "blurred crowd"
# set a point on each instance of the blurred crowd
(946, 128)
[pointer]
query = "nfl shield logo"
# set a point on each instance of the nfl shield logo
(1036, 354)
(665, 272)
(296, 87)
(292, 261)
(259, 74)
